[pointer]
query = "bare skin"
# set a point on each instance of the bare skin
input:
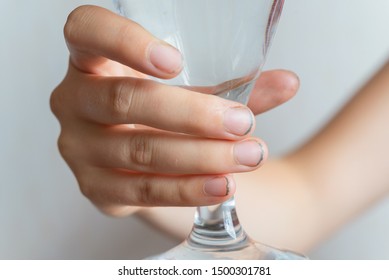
(130, 141)
(303, 197)
(134, 143)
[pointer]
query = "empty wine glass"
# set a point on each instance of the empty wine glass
(224, 45)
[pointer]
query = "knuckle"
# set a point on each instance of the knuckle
(124, 99)
(157, 191)
(71, 149)
(120, 100)
(64, 147)
(86, 188)
(128, 99)
(68, 151)
(55, 101)
(146, 194)
(141, 150)
(161, 192)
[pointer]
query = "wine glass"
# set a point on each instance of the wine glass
(224, 45)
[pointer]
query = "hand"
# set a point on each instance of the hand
(132, 142)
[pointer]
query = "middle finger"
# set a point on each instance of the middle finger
(154, 151)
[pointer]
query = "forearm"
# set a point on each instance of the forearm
(297, 201)
(346, 164)
(308, 194)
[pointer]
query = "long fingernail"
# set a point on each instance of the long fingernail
(249, 153)
(219, 186)
(238, 120)
(165, 58)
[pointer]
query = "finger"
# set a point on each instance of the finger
(167, 153)
(272, 89)
(126, 100)
(95, 36)
(109, 188)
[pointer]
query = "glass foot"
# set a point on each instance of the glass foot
(250, 251)
(217, 234)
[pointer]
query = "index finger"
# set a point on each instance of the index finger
(96, 36)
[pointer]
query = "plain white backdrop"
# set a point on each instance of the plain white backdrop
(334, 46)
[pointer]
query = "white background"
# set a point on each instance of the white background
(333, 45)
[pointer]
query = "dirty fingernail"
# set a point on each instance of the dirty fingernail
(238, 120)
(219, 186)
(249, 153)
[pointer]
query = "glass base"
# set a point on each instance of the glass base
(247, 249)
(217, 235)
(251, 250)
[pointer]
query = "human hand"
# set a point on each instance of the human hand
(132, 142)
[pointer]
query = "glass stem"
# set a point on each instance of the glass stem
(217, 227)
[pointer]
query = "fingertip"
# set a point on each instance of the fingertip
(265, 152)
(272, 89)
(165, 59)
(238, 121)
(221, 186)
(96, 36)
(291, 82)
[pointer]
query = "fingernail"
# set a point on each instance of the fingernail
(219, 186)
(249, 153)
(238, 120)
(165, 58)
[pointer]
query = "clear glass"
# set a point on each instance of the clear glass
(224, 45)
